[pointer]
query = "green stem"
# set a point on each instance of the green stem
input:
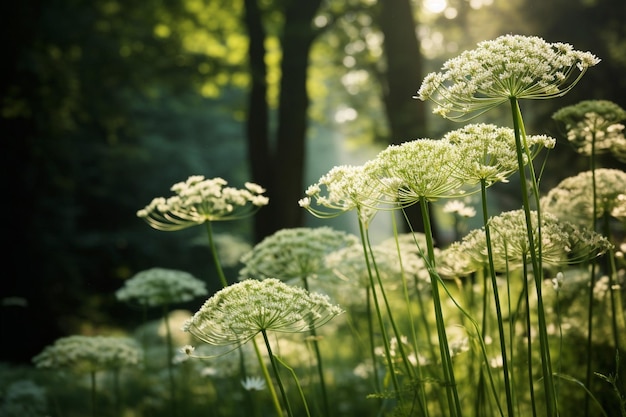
(277, 373)
(379, 316)
(444, 349)
(93, 393)
(535, 248)
(496, 296)
(170, 368)
(268, 380)
(218, 264)
(295, 378)
(318, 356)
(529, 352)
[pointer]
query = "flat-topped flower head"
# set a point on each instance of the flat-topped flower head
(419, 168)
(344, 188)
(572, 198)
(296, 253)
(510, 66)
(487, 152)
(160, 286)
(593, 123)
(237, 313)
(562, 244)
(90, 353)
(200, 200)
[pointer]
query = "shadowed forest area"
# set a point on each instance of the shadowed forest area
(105, 104)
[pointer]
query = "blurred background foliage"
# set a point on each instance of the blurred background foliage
(105, 104)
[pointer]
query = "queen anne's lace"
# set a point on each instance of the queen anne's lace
(562, 244)
(90, 353)
(487, 152)
(572, 198)
(594, 123)
(510, 66)
(160, 286)
(199, 200)
(343, 188)
(237, 313)
(296, 253)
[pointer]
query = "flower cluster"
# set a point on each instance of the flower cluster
(393, 257)
(487, 152)
(510, 66)
(160, 286)
(595, 123)
(562, 244)
(90, 353)
(23, 398)
(572, 198)
(296, 253)
(343, 188)
(237, 313)
(199, 200)
(419, 168)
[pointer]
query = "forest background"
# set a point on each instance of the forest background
(105, 104)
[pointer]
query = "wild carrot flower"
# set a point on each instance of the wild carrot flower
(593, 123)
(572, 198)
(296, 253)
(523, 67)
(419, 168)
(563, 244)
(199, 200)
(90, 353)
(487, 152)
(253, 383)
(160, 286)
(344, 188)
(237, 313)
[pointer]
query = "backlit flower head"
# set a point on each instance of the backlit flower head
(237, 313)
(572, 198)
(253, 383)
(416, 169)
(296, 253)
(459, 208)
(90, 353)
(343, 188)
(562, 244)
(523, 67)
(593, 122)
(200, 200)
(487, 152)
(160, 286)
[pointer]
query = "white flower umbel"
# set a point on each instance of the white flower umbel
(487, 152)
(237, 313)
(524, 67)
(422, 168)
(572, 198)
(90, 353)
(199, 200)
(563, 244)
(593, 123)
(160, 286)
(296, 253)
(344, 188)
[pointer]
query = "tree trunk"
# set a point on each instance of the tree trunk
(289, 165)
(402, 78)
(280, 169)
(257, 130)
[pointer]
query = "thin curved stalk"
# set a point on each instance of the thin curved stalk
(446, 361)
(279, 381)
(381, 323)
(170, 368)
(320, 366)
(496, 296)
(535, 252)
(218, 264)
